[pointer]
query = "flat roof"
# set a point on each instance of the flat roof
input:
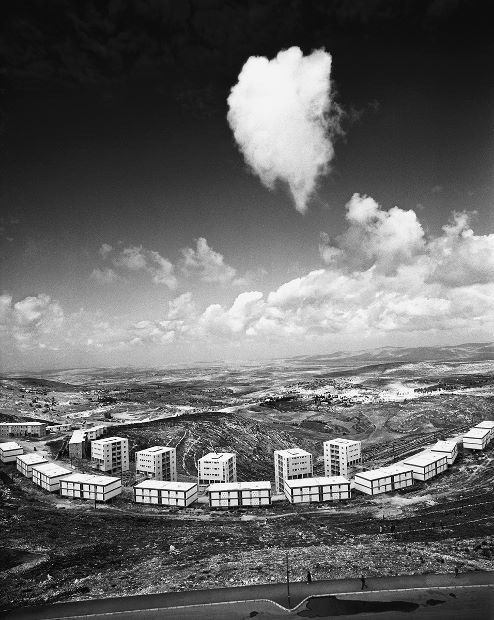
(485, 424)
(77, 437)
(444, 445)
(343, 442)
(423, 458)
(22, 424)
(30, 458)
(52, 469)
(91, 479)
(155, 449)
(383, 472)
(217, 456)
(165, 485)
(110, 439)
(95, 428)
(9, 445)
(319, 481)
(239, 486)
(477, 433)
(293, 452)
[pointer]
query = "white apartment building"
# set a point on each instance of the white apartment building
(321, 489)
(427, 464)
(158, 462)
(9, 451)
(90, 486)
(23, 429)
(25, 462)
(227, 494)
(291, 464)
(384, 479)
(94, 432)
(48, 475)
(165, 493)
(449, 448)
(477, 438)
(110, 454)
(489, 424)
(217, 467)
(341, 456)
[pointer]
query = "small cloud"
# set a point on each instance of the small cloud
(104, 276)
(208, 264)
(437, 189)
(105, 250)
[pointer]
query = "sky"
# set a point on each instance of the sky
(206, 180)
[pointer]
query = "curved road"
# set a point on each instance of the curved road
(275, 592)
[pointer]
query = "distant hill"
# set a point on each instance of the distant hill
(477, 351)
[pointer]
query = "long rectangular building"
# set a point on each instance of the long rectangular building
(427, 465)
(165, 493)
(489, 424)
(25, 463)
(158, 462)
(321, 489)
(48, 475)
(229, 494)
(9, 451)
(90, 486)
(384, 479)
(23, 429)
(449, 448)
(477, 439)
(291, 464)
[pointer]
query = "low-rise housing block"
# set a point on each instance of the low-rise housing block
(227, 494)
(25, 463)
(90, 486)
(23, 429)
(427, 464)
(477, 438)
(384, 479)
(489, 424)
(449, 448)
(48, 475)
(165, 493)
(320, 489)
(9, 451)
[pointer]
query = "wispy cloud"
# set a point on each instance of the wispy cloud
(208, 264)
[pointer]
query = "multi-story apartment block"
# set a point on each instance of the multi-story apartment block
(9, 451)
(89, 486)
(110, 454)
(165, 493)
(25, 462)
(384, 479)
(323, 489)
(291, 464)
(23, 429)
(48, 475)
(227, 494)
(158, 462)
(217, 467)
(341, 456)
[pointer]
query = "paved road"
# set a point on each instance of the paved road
(275, 592)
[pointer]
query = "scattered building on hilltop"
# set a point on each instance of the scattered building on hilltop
(9, 451)
(291, 464)
(341, 456)
(321, 489)
(165, 493)
(158, 462)
(110, 454)
(229, 494)
(384, 479)
(217, 467)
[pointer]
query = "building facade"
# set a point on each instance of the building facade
(341, 457)
(234, 494)
(89, 486)
(448, 448)
(22, 429)
(166, 493)
(314, 490)
(58, 428)
(48, 475)
(9, 451)
(489, 424)
(217, 467)
(25, 462)
(384, 479)
(78, 445)
(477, 439)
(292, 464)
(110, 454)
(427, 465)
(158, 462)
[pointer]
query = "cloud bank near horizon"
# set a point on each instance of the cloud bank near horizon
(284, 120)
(383, 275)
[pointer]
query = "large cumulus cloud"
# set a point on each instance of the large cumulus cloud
(280, 115)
